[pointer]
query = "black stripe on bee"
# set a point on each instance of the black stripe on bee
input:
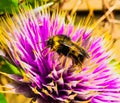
(63, 45)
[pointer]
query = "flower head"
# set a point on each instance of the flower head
(49, 77)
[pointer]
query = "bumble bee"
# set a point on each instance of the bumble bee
(63, 45)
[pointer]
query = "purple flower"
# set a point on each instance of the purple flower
(48, 77)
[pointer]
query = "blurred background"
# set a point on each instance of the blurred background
(82, 8)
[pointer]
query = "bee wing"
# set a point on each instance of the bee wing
(72, 46)
(68, 44)
(83, 52)
(76, 48)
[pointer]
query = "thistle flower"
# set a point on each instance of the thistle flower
(48, 77)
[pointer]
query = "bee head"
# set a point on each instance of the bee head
(50, 42)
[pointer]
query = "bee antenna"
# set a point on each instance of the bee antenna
(44, 48)
(48, 53)
(42, 41)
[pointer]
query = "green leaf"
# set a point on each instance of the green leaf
(33, 2)
(8, 5)
(8, 67)
(116, 65)
(2, 99)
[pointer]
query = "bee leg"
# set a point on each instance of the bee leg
(77, 66)
(60, 59)
(44, 49)
(33, 100)
(64, 61)
(60, 56)
(73, 62)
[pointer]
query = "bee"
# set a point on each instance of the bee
(63, 45)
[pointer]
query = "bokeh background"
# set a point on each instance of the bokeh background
(82, 8)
